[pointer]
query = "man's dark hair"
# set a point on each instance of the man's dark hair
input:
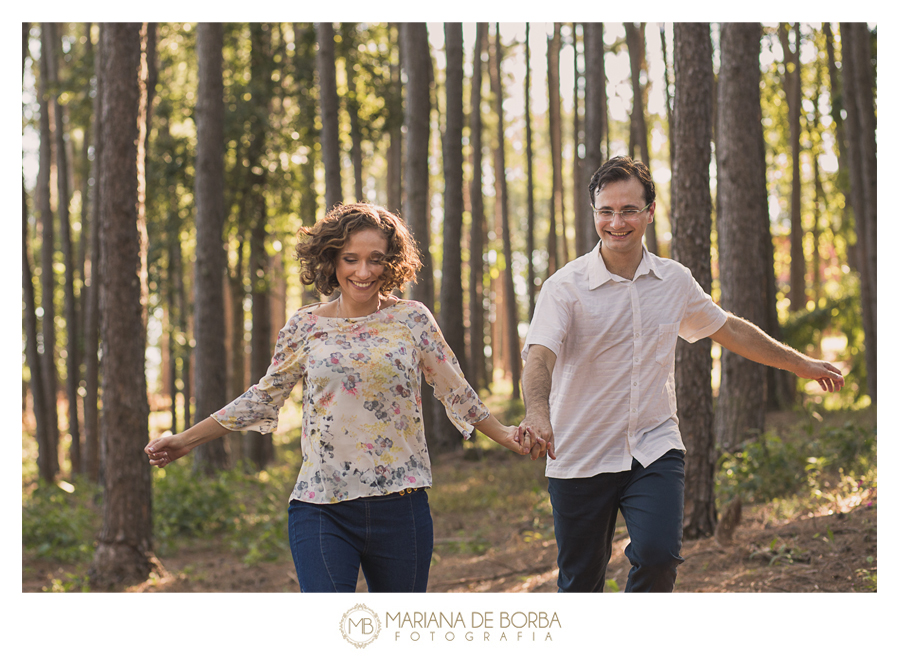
(622, 168)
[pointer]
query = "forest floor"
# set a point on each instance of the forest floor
(494, 533)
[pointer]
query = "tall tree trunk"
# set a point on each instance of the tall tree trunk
(860, 105)
(510, 309)
(691, 230)
(445, 438)
(32, 358)
(478, 229)
(305, 67)
(123, 554)
(416, 58)
(258, 447)
(51, 51)
(557, 203)
(529, 159)
(594, 112)
(837, 116)
(634, 35)
(742, 222)
(670, 119)
(50, 452)
(581, 210)
(794, 97)
(348, 50)
(394, 128)
(93, 450)
(329, 107)
(210, 377)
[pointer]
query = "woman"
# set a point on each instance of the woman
(360, 497)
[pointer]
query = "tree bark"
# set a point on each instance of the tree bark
(48, 454)
(742, 224)
(445, 438)
(210, 375)
(92, 443)
(862, 152)
(556, 240)
(123, 554)
(32, 357)
(634, 35)
(329, 104)
(51, 50)
(510, 309)
(417, 61)
(594, 112)
(529, 159)
(394, 128)
(794, 97)
(477, 231)
(352, 102)
(691, 230)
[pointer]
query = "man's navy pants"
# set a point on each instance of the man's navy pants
(584, 515)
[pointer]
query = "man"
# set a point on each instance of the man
(599, 385)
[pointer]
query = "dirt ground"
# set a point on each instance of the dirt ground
(833, 549)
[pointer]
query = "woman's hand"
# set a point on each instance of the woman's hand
(519, 439)
(166, 449)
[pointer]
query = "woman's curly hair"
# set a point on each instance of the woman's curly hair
(318, 246)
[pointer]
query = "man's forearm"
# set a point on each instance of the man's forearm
(749, 341)
(537, 381)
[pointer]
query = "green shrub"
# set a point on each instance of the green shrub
(804, 460)
(59, 525)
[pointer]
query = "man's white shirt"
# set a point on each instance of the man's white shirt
(613, 393)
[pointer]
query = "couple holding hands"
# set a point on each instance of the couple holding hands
(598, 383)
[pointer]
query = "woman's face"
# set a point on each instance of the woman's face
(360, 267)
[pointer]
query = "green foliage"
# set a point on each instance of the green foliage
(69, 583)
(806, 461)
(804, 331)
(59, 525)
(245, 510)
(187, 505)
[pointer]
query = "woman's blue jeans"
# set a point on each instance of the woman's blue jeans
(584, 516)
(391, 537)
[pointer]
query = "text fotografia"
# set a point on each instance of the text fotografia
(478, 626)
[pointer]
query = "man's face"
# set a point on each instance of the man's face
(621, 234)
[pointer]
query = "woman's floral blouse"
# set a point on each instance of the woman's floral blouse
(362, 405)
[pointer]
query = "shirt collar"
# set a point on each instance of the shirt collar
(598, 274)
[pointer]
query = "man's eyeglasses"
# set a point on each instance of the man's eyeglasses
(628, 213)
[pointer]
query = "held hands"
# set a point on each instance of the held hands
(166, 449)
(538, 435)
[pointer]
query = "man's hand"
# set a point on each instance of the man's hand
(539, 430)
(827, 374)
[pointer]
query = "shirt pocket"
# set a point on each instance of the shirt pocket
(665, 343)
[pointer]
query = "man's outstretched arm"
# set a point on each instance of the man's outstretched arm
(751, 342)
(537, 380)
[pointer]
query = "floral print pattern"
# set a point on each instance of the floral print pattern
(362, 429)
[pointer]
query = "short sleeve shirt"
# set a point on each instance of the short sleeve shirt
(613, 385)
(362, 429)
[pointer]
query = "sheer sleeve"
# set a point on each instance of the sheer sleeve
(257, 409)
(442, 372)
